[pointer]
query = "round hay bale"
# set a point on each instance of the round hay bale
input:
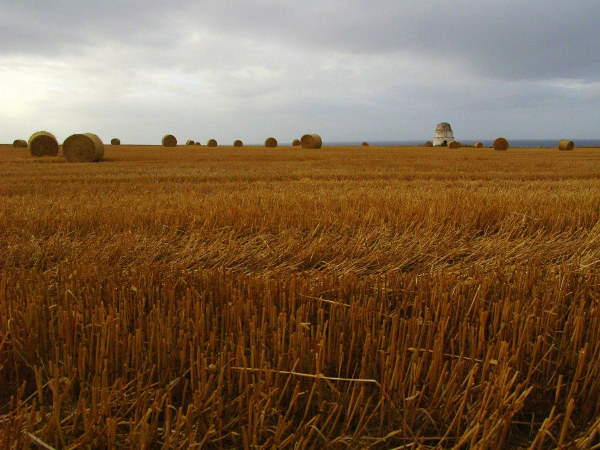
(85, 147)
(238, 143)
(212, 143)
(500, 144)
(478, 145)
(428, 144)
(365, 144)
(311, 141)
(169, 140)
(296, 143)
(198, 143)
(565, 144)
(189, 142)
(20, 143)
(271, 142)
(43, 143)
(115, 141)
(454, 144)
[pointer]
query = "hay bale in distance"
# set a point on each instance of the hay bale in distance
(365, 144)
(428, 144)
(115, 141)
(565, 144)
(311, 141)
(85, 147)
(198, 143)
(271, 142)
(478, 145)
(296, 143)
(238, 143)
(500, 144)
(454, 144)
(20, 143)
(189, 142)
(43, 143)
(212, 143)
(169, 140)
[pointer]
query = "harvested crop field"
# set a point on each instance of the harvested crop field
(345, 297)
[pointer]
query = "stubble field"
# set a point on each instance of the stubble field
(377, 297)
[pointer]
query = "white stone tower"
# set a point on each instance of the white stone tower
(443, 134)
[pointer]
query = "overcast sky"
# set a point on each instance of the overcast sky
(350, 70)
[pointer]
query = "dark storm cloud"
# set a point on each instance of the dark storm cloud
(508, 39)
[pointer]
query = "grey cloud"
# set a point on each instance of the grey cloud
(352, 69)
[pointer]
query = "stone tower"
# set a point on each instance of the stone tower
(443, 134)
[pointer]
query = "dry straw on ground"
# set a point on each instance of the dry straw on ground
(271, 142)
(454, 144)
(115, 141)
(212, 143)
(20, 143)
(311, 141)
(365, 144)
(189, 142)
(500, 144)
(296, 142)
(85, 147)
(478, 145)
(428, 144)
(169, 140)
(238, 143)
(43, 143)
(565, 144)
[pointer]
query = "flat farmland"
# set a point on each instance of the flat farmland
(347, 297)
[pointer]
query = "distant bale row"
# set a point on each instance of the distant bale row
(20, 143)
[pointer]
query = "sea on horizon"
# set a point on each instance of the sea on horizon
(551, 143)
